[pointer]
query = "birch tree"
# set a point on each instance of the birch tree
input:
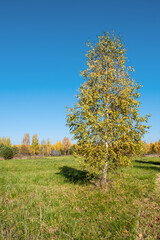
(66, 145)
(43, 147)
(25, 148)
(48, 147)
(105, 119)
(26, 139)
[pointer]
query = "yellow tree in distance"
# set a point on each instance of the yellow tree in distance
(35, 144)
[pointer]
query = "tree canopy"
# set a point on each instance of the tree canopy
(105, 119)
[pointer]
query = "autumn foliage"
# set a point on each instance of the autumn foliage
(150, 148)
(29, 148)
(105, 119)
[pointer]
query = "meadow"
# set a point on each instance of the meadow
(50, 198)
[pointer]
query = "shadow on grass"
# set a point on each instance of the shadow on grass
(74, 175)
(148, 165)
(148, 162)
(148, 168)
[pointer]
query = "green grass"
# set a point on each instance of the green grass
(50, 199)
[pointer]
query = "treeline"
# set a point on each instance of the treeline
(34, 147)
(151, 148)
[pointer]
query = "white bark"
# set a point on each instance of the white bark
(104, 177)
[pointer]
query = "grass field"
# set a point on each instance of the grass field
(50, 199)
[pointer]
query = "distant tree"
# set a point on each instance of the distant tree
(58, 146)
(23, 149)
(35, 145)
(8, 142)
(6, 152)
(157, 147)
(26, 139)
(26, 144)
(66, 145)
(5, 141)
(48, 147)
(105, 120)
(152, 148)
(15, 150)
(43, 147)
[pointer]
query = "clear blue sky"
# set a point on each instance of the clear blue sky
(42, 46)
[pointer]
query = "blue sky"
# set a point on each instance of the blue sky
(42, 51)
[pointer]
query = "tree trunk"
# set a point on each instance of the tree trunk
(104, 176)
